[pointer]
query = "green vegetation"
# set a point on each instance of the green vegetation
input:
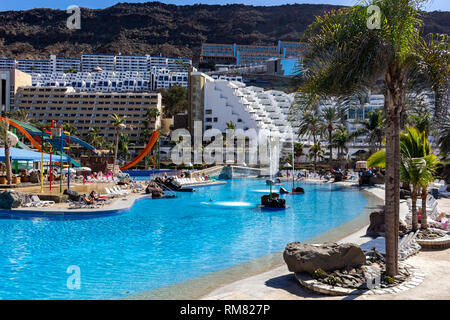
(174, 100)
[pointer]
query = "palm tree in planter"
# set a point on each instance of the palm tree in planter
(417, 168)
(345, 56)
(119, 124)
(316, 151)
(4, 133)
(414, 145)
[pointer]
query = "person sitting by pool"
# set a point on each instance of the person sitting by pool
(86, 200)
(95, 196)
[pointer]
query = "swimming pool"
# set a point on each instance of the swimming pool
(162, 242)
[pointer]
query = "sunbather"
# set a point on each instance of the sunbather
(94, 195)
(87, 200)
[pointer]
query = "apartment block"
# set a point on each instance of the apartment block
(132, 63)
(64, 64)
(30, 66)
(90, 62)
(249, 54)
(216, 102)
(10, 81)
(8, 63)
(85, 111)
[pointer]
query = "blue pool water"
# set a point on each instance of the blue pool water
(161, 242)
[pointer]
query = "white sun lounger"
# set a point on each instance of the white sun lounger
(407, 245)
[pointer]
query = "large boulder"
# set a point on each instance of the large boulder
(11, 199)
(73, 195)
(154, 190)
(302, 257)
(377, 228)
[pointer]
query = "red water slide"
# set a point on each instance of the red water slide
(148, 148)
(23, 131)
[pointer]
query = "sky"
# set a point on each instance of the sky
(442, 5)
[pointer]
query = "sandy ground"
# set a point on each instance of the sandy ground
(279, 283)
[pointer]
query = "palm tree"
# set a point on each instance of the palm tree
(68, 128)
(93, 137)
(411, 171)
(151, 114)
(340, 140)
(330, 115)
(230, 125)
(310, 125)
(444, 139)
(119, 124)
(344, 56)
(414, 145)
(434, 53)
(372, 128)
(4, 133)
(316, 151)
(298, 149)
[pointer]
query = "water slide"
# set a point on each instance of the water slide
(148, 148)
(23, 131)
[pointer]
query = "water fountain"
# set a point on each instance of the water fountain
(272, 200)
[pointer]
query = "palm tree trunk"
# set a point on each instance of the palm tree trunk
(424, 218)
(8, 161)
(115, 151)
(393, 110)
(330, 146)
(415, 222)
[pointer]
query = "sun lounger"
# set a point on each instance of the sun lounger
(121, 191)
(38, 202)
(406, 248)
(443, 191)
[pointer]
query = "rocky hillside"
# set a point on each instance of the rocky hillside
(156, 28)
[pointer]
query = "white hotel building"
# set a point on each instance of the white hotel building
(250, 107)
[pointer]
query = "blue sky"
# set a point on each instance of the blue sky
(443, 5)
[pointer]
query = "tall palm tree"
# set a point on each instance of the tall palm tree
(4, 134)
(93, 137)
(344, 56)
(340, 140)
(444, 139)
(330, 116)
(310, 125)
(434, 53)
(316, 151)
(298, 149)
(372, 129)
(119, 124)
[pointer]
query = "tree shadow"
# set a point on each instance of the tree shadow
(290, 284)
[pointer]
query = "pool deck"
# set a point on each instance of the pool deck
(279, 283)
(118, 204)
